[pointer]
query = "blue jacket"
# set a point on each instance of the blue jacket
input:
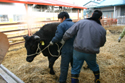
(61, 29)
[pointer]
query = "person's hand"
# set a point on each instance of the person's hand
(51, 43)
(119, 39)
(62, 41)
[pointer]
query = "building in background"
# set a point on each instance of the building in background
(92, 3)
(110, 8)
(89, 5)
(11, 12)
(52, 11)
(16, 12)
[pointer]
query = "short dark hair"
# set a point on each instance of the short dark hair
(63, 14)
(97, 14)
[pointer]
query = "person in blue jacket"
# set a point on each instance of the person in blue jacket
(67, 49)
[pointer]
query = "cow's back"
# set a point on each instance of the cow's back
(47, 31)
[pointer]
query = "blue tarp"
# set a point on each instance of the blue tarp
(107, 3)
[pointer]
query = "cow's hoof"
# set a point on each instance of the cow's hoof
(52, 72)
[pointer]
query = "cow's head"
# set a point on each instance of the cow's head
(31, 45)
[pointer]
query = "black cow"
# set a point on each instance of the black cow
(33, 43)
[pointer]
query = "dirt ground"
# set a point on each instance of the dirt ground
(111, 60)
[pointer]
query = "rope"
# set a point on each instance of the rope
(57, 51)
(48, 50)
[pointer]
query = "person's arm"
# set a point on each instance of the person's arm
(103, 40)
(58, 35)
(70, 32)
(121, 35)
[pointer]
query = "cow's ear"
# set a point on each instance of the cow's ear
(26, 37)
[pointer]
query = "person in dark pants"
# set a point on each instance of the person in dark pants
(90, 36)
(67, 49)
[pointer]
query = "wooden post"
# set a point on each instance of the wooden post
(78, 14)
(53, 11)
(82, 14)
(103, 21)
(86, 15)
(26, 6)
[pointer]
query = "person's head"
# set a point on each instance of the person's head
(97, 14)
(62, 16)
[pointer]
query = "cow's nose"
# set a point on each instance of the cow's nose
(29, 59)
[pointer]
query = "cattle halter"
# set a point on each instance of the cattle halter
(38, 48)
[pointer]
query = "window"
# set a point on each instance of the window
(18, 17)
(122, 11)
(4, 18)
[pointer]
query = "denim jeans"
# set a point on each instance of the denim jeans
(66, 58)
(78, 60)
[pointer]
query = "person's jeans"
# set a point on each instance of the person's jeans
(66, 58)
(78, 60)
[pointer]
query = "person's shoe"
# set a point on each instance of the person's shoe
(74, 80)
(97, 76)
(97, 81)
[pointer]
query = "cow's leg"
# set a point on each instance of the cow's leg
(51, 63)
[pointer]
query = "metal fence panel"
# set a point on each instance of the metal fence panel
(121, 20)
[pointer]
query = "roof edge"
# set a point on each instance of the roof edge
(89, 2)
(43, 3)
